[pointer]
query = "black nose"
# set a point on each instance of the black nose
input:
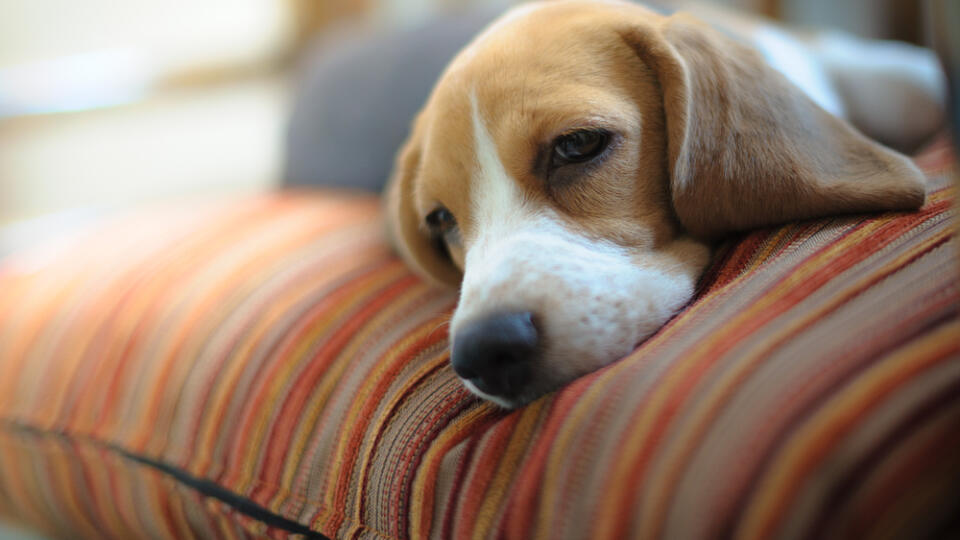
(496, 353)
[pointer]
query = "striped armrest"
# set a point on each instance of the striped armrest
(266, 367)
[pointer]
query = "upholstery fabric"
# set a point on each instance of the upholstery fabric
(266, 367)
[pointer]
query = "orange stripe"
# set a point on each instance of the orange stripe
(809, 444)
(208, 432)
(522, 481)
(364, 338)
(479, 477)
(516, 447)
(155, 285)
(519, 515)
(279, 380)
(397, 514)
(13, 454)
(469, 424)
(293, 401)
(212, 294)
(357, 421)
(317, 415)
(661, 405)
(377, 428)
(698, 421)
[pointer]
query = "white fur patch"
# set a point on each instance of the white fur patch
(497, 201)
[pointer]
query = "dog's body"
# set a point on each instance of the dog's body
(574, 161)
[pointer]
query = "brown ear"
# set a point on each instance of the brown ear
(747, 148)
(404, 222)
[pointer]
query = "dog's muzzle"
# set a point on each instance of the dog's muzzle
(497, 353)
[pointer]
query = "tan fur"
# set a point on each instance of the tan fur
(749, 149)
(708, 140)
(746, 148)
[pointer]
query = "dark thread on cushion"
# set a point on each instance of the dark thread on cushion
(205, 487)
(918, 418)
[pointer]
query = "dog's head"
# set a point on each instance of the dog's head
(572, 161)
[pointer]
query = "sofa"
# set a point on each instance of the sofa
(265, 367)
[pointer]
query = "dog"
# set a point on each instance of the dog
(575, 162)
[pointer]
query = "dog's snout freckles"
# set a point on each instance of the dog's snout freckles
(593, 303)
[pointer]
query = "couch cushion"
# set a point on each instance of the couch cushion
(266, 366)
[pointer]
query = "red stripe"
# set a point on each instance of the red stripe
(459, 476)
(498, 436)
(304, 322)
(288, 416)
(399, 513)
(327, 353)
(378, 435)
(521, 508)
(833, 502)
(355, 433)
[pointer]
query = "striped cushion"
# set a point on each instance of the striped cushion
(265, 366)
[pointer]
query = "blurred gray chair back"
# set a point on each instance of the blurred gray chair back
(357, 95)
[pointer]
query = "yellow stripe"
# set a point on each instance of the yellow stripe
(199, 289)
(13, 454)
(506, 473)
(319, 397)
(137, 398)
(638, 436)
(263, 420)
(350, 420)
(768, 247)
(63, 468)
(583, 408)
(378, 424)
(466, 423)
(318, 400)
(760, 514)
(697, 421)
(100, 471)
(21, 355)
(692, 312)
(228, 378)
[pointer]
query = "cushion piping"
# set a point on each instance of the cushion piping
(204, 487)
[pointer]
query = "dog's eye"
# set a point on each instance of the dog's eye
(443, 231)
(441, 221)
(578, 146)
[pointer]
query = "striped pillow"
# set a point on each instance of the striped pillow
(266, 366)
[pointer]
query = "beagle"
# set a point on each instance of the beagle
(574, 162)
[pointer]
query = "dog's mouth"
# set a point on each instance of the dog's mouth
(513, 401)
(529, 322)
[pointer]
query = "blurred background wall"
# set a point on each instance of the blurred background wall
(105, 103)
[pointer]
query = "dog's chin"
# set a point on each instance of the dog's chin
(527, 395)
(561, 366)
(541, 386)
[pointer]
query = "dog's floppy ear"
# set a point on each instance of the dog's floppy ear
(747, 148)
(403, 221)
